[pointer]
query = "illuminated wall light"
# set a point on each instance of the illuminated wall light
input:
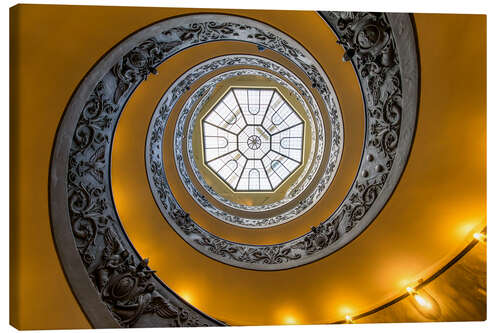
(289, 320)
(481, 237)
(421, 300)
(424, 303)
(186, 296)
(347, 313)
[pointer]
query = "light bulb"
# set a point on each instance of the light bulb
(480, 237)
(424, 303)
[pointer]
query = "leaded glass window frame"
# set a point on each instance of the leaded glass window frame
(253, 139)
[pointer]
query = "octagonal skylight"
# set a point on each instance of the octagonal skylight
(253, 139)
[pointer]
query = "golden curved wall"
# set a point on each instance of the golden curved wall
(441, 197)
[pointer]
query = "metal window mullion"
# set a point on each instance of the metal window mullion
(267, 109)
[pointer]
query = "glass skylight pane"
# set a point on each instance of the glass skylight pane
(290, 165)
(296, 155)
(242, 184)
(291, 143)
(252, 104)
(275, 180)
(252, 139)
(225, 171)
(276, 102)
(280, 169)
(230, 101)
(279, 116)
(232, 180)
(292, 119)
(213, 118)
(216, 164)
(241, 95)
(225, 118)
(265, 97)
(253, 96)
(227, 115)
(254, 177)
(229, 167)
(217, 141)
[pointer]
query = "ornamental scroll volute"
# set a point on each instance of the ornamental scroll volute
(367, 40)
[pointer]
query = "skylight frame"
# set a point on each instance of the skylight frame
(231, 111)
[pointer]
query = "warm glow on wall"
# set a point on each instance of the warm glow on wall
(481, 237)
(347, 313)
(466, 228)
(289, 320)
(469, 227)
(421, 300)
(186, 296)
(424, 303)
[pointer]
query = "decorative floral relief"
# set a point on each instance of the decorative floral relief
(127, 289)
(302, 93)
(136, 65)
(122, 278)
(383, 115)
(368, 43)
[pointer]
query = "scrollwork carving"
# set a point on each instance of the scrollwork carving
(367, 40)
(136, 65)
(122, 279)
(155, 141)
(370, 46)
